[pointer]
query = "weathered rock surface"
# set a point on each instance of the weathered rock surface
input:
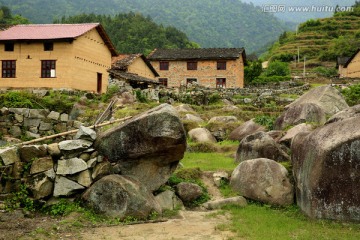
(70, 166)
(41, 165)
(220, 177)
(31, 152)
(65, 187)
(292, 132)
(9, 155)
(260, 145)
(184, 108)
(85, 133)
(353, 111)
(245, 129)
(201, 135)
(326, 165)
(327, 97)
(120, 196)
(70, 148)
(193, 118)
(41, 186)
(218, 204)
(148, 146)
(263, 180)
(223, 119)
(188, 192)
(301, 113)
(169, 201)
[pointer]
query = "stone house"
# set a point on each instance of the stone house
(208, 67)
(351, 68)
(57, 56)
(134, 70)
(340, 62)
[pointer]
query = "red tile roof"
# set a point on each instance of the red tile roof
(46, 31)
(52, 32)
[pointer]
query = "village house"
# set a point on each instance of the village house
(134, 70)
(209, 67)
(340, 63)
(57, 56)
(351, 68)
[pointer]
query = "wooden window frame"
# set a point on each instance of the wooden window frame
(164, 65)
(8, 68)
(221, 65)
(46, 67)
(48, 46)
(191, 65)
(191, 80)
(222, 84)
(9, 47)
(163, 82)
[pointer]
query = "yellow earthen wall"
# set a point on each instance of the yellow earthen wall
(353, 68)
(206, 73)
(71, 72)
(140, 68)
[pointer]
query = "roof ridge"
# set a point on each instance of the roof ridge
(53, 24)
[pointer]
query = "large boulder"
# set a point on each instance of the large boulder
(260, 145)
(223, 119)
(120, 196)
(201, 135)
(148, 146)
(245, 129)
(292, 132)
(188, 192)
(301, 113)
(327, 97)
(326, 165)
(263, 180)
(353, 111)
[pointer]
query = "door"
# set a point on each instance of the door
(99, 83)
(221, 83)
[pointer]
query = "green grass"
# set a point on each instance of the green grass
(208, 161)
(263, 222)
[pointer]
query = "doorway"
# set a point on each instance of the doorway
(99, 83)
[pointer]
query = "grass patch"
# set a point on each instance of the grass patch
(263, 222)
(208, 161)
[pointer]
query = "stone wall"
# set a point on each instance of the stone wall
(34, 123)
(57, 169)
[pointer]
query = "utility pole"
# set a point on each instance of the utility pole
(298, 54)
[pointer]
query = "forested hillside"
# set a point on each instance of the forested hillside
(6, 17)
(211, 23)
(322, 39)
(134, 33)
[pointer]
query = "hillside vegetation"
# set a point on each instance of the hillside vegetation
(211, 23)
(320, 40)
(134, 33)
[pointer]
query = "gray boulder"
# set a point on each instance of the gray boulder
(169, 201)
(9, 155)
(71, 148)
(327, 97)
(353, 111)
(188, 192)
(263, 180)
(245, 129)
(184, 108)
(148, 146)
(292, 132)
(66, 187)
(70, 166)
(193, 118)
(223, 119)
(326, 166)
(218, 204)
(301, 113)
(201, 135)
(120, 196)
(260, 145)
(85, 133)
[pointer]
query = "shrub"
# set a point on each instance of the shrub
(271, 79)
(266, 121)
(326, 72)
(352, 95)
(140, 96)
(17, 99)
(277, 68)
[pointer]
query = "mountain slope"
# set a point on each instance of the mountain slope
(211, 23)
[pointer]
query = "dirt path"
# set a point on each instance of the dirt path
(192, 225)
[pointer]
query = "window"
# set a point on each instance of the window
(9, 47)
(191, 80)
(164, 65)
(48, 69)
(221, 65)
(163, 81)
(220, 82)
(191, 65)
(48, 46)
(8, 68)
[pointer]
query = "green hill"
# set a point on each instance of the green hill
(320, 40)
(211, 23)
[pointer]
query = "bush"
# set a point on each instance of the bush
(266, 121)
(277, 68)
(271, 79)
(352, 95)
(140, 96)
(17, 99)
(326, 72)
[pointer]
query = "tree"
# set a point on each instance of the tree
(252, 71)
(277, 68)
